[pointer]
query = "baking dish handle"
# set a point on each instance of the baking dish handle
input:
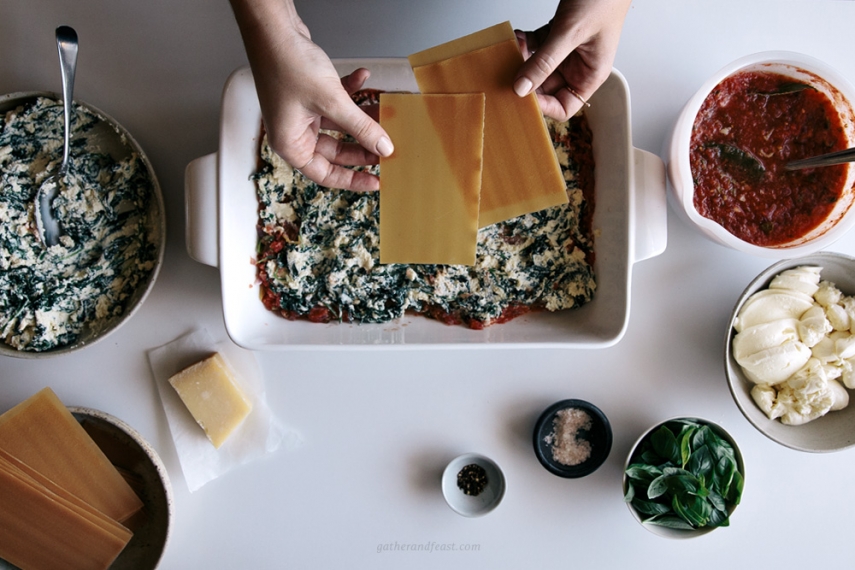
(651, 207)
(200, 197)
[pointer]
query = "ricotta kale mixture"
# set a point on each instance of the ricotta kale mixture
(49, 297)
(318, 252)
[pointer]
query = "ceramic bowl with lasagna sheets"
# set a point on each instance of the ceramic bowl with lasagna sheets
(222, 231)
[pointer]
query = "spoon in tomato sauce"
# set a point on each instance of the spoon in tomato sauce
(839, 157)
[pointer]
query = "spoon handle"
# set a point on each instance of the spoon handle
(839, 157)
(66, 44)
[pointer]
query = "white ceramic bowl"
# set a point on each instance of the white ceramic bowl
(834, 431)
(801, 68)
(674, 532)
(473, 505)
(116, 140)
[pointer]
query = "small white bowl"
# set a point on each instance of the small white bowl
(143, 469)
(473, 505)
(801, 68)
(834, 431)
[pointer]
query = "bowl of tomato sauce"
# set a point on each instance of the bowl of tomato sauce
(730, 145)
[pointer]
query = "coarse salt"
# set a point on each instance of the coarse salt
(568, 445)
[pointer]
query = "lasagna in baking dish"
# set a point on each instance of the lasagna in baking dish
(318, 251)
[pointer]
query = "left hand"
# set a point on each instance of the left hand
(576, 50)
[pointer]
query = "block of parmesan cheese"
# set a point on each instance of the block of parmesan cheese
(430, 186)
(211, 393)
(43, 434)
(521, 172)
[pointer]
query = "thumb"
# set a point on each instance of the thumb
(542, 64)
(356, 122)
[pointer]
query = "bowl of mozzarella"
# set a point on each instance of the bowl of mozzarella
(790, 352)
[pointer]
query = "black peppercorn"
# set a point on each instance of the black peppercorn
(472, 480)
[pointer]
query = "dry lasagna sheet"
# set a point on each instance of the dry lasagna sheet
(318, 252)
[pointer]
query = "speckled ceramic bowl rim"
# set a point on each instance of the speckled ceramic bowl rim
(10, 100)
(150, 452)
(599, 454)
(672, 532)
(681, 185)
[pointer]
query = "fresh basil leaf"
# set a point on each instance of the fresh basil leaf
(650, 507)
(658, 487)
(717, 501)
(665, 444)
(702, 463)
(718, 518)
(784, 89)
(723, 449)
(673, 480)
(702, 490)
(693, 509)
(740, 159)
(702, 437)
(735, 493)
(670, 521)
(686, 444)
(684, 482)
(651, 457)
(642, 472)
(723, 476)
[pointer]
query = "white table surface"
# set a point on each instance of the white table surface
(380, 426)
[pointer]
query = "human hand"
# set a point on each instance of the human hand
(300, 93)
(574, 52)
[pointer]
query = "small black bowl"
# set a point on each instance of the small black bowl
(599, 436)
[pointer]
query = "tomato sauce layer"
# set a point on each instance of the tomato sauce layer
(748, 128)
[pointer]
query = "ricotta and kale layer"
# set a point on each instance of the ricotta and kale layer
(54, 296)
(318, 252)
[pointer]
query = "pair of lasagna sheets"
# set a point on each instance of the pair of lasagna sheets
(469, 152)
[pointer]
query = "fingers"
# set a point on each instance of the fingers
(372, 110)
(342, 153)
(529, 42)
(321, 171)
(354, 82)
(560, 106)
(545, 55)
(330, 156)
(352, 119)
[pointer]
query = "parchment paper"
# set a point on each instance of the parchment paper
(260, 434)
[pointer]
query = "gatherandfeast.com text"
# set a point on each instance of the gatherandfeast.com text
(427, 547)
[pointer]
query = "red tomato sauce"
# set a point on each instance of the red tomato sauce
(769, 117)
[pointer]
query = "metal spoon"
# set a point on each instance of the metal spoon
(47, 225)
(839, 157)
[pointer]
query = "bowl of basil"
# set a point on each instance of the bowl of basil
(684, 478)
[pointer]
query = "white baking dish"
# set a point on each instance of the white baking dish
(222, 213)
